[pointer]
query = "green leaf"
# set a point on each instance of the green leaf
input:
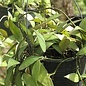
(21, 47)
(44, 77)
(28, 61)
(82, 51)
(18, 80)
(83, 76)
(1, 82)
(52, 17)
(41, 40)
(3, 32)
(28, 32)
(83, 24)
(12, 62)
(28, 80)
(73, 77)
(63, 45)
(48, 44)
(30, 1)
(36, 70)
(56, 47)
(84, 2)
(73, 46)
(39, 16)
(9, 76)
(50, 36)
(16, 31)
(19, 9)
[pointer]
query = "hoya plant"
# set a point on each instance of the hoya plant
(36, 38)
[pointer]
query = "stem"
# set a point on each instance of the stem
(59, 66)
(78, 8)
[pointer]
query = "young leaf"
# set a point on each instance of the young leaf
(28, 61)
(16, 31)
(73, 77)
(28, 80)
(41, 40)
(12, 62)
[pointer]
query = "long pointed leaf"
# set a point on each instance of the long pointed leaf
(15, 31)
(28, 61)
(41, 41)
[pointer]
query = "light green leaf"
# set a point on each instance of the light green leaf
(28, 61)
(50, 36)
(82, 51)
(16, 31)
(28, 80)
(44, 77)
(83, 76)
(73, 77)
(30, 1)
(52, 17)
(1, 82)
(64, 44)
(41, 40)
(12, 62)
(19, 10)
(3, 32)
(39, 16)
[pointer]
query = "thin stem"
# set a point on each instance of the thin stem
(78, 8)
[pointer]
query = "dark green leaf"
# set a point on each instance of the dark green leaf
(18, 80)
(9, 76)
(63, 45)
(84, 2)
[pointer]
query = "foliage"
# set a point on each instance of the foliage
(34, 38)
